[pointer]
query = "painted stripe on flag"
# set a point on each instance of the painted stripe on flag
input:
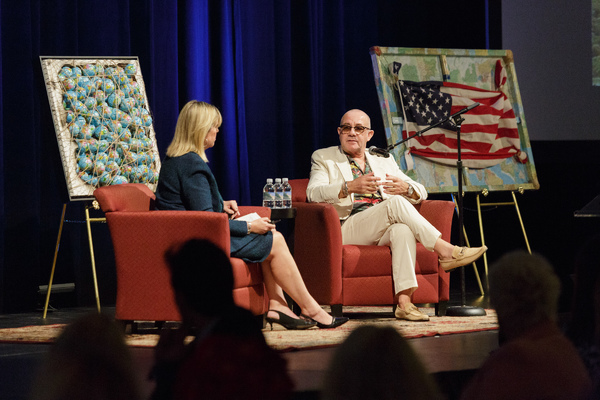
(489, 132)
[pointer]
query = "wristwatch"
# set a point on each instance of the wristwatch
(410, 190)
(345, 189)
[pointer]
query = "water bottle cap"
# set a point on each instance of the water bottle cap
(285, 179)
(269, 180)
(277, 180)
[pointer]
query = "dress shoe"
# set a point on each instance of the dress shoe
(462, 256)
(290, 323)
(336, 321)
(411, 313)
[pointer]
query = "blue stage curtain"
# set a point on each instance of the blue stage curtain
(282, 72)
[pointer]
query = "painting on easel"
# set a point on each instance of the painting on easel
(102, 121)
(496, 150)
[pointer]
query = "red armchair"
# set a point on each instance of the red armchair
(140, 238)
(347, 275)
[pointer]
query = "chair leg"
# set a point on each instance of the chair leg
(440, 308)
(336, 310)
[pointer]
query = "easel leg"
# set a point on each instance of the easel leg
(485, 262)
(60, 228)
(467, 243)
(521, 221)
(89, 230)
(514, 202)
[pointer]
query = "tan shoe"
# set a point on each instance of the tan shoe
(462, 256)
(411, 313)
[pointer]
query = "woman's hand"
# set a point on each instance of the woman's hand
(231, 208)
(261, 226)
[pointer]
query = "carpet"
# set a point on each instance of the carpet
(284, 340)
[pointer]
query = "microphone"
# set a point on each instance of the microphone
(464, 110)
(472, 106)
(376, 151)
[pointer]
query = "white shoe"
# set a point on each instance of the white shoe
(411, 313)
(462, 256)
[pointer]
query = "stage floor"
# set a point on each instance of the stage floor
(450, 358)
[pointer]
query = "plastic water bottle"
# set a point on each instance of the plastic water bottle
(278, 193)
(287, 193)
(269, 194)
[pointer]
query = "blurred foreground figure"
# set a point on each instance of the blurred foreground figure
(228, 357)
(535, 360)
(90, 361)
(377, 363)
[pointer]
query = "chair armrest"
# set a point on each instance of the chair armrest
(262, 211)
(318, 250)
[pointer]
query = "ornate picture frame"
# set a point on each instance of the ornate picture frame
(102, 121)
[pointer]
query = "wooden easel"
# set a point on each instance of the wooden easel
(508, 203)
(479, 205)
(88, 222)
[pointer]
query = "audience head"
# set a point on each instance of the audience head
(89, 360)
(201, 277)
(524, 290)
(195, 121)
(377, 363)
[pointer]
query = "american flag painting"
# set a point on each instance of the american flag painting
(489, 133)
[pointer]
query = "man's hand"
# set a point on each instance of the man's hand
(366, 184)
(394, 185)
(231, 208)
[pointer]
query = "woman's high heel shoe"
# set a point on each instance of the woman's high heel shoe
(290, 323)
(336, 321)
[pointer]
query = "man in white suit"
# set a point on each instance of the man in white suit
(374, 200)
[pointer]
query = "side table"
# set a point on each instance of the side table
(288, 216)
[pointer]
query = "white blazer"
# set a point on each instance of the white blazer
(330, 168)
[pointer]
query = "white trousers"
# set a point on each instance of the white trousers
(396, 223)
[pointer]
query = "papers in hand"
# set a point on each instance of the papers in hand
(248, 217)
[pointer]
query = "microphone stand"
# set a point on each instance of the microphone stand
(463, 310)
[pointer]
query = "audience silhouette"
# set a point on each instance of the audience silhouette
(583, 327)
(89, 360)
(228, 357)
(377, 363)
(535, 360)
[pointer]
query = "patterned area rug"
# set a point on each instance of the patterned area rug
(284, 340)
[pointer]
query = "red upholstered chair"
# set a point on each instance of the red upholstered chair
(349, 275)
(140, 237)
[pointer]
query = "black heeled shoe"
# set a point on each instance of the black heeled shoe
(337, 321)
(290, 323)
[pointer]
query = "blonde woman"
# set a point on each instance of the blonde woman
(186, 183)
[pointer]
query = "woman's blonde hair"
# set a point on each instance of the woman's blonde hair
(195, 120)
